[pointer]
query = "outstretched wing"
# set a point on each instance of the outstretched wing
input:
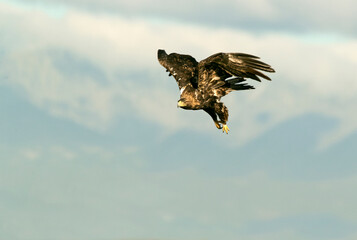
(182, 67)
(214, 70)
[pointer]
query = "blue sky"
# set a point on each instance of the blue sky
(92, 145)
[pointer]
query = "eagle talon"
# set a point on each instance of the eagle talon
(225, 128)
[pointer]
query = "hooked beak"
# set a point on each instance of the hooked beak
(180, 104)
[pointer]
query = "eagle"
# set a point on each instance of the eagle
(203, 84)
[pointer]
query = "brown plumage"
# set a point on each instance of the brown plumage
(202, 84)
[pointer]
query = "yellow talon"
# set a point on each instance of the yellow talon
(218, 125)
(225, 128)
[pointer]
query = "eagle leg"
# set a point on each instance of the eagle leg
(222, 112)
(213, 115)
(218, 125)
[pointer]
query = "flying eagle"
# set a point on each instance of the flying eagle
(202, 84)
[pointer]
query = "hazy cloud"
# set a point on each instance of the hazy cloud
(150, 200)
(254, 15)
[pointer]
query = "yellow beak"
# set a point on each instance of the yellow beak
(180, 104)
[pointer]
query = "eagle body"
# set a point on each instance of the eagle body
(203, 84)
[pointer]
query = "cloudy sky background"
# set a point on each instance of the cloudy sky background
(92, 145)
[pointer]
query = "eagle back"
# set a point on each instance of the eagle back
(215, 71)
(211, 77)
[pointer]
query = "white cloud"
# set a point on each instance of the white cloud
(310, 78)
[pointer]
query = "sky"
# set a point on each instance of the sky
(93, 147)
